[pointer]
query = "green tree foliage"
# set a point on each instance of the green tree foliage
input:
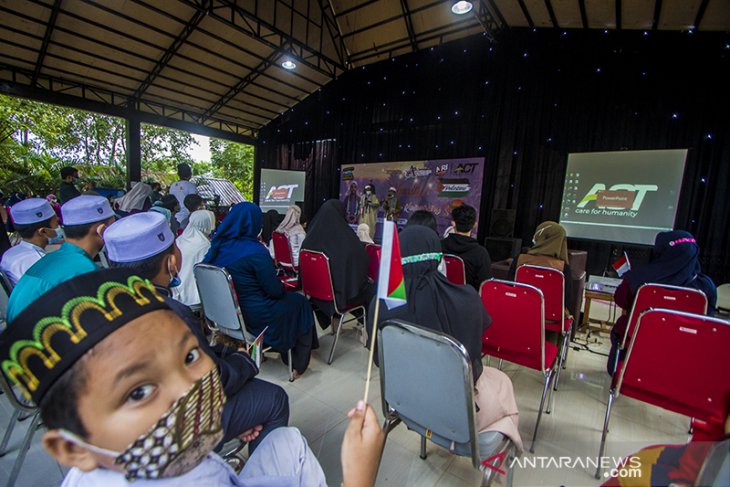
(37, 139)
(234, 162)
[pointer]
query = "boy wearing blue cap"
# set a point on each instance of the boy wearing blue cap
(144, 244)
(84, 220)
(37, 224)
(127, 395)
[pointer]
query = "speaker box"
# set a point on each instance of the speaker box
(503, 248)
(502, 223)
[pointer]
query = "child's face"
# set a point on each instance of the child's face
(132, 379)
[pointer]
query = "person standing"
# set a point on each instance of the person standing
(352, 204)
(369, 204)
(69, 178)
(180, 189)
(391, 205)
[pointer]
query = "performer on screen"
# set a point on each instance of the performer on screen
(352, 204)
(369, 204)
(391, 205)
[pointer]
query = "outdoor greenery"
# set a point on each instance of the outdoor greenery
(38, 139)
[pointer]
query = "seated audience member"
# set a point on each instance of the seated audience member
(121, 406)
(37, 224)
(363, 233)
(156, 194)
(68, 190)
(330, 234)
(424, 218)
(144, 244)
(136, 200)
(292, 228)
(549, 249)
(434, 302)
(266, 305)
(477, 264)
(170, 203)
(193, 244)
(84, 220)
(271, 221)
(193, 202)
(674, 262)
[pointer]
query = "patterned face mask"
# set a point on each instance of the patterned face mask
(179, 440)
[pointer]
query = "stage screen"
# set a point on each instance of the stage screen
(434, 185)
(625, 197)
(280, 189)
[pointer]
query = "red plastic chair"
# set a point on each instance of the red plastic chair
(373, 251)
(677, 361)
(666, 297)
(284, 258)
(455, 271)
(517, 332)
(314, 271)
(552, 284)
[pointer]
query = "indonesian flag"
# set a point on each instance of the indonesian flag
(391, 286)
(622, 266)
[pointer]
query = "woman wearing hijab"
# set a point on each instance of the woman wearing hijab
(272, 219)
(549, 249)
(136, 200)
(363, 233)
(193, 244)
(330, 234)
(435, 303)
(674, 262)
(286, 316)
(292, 228)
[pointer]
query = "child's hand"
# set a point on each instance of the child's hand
(361, 447)
(251, 434)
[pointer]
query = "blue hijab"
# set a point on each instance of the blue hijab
(237, 236)
(674, 262)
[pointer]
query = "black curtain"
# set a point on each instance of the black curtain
(524, 102)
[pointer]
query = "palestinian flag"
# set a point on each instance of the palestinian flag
(391, 286)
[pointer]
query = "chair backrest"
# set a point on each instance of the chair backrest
(314, 271)
(716, 468)
(723, 298)
(517, 332)
(437, 402)
(219, 300)
(373, 251)
(552, 284)
(103, 259)
(5, 282)
(666, 297)
(679, 361)
(455, 271)
(20, 403)
(282, 250)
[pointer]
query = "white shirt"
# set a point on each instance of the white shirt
(180, 189)
(18, 259)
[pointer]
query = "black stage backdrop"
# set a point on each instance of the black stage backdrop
(525, 102)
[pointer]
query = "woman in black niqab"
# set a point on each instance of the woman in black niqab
(330, 234)
(434, 302)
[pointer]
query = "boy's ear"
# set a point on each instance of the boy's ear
(68, 453)
(453, 223)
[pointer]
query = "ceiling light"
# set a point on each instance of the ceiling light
(461, 7)
(288, 64)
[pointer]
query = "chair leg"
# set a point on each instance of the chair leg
(499, 365)
(291, 369)
(561, 364)
(548, 378)
(602, 449)
(423, 448)
(334, 343)
(23, 450)
(9, 432)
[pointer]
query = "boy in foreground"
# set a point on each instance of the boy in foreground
(127, 395)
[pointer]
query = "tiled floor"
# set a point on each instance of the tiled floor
(320, 399)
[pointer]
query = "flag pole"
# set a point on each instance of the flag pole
(372, 349)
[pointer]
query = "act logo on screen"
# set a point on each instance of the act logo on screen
(280, 193)
(619, 196)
